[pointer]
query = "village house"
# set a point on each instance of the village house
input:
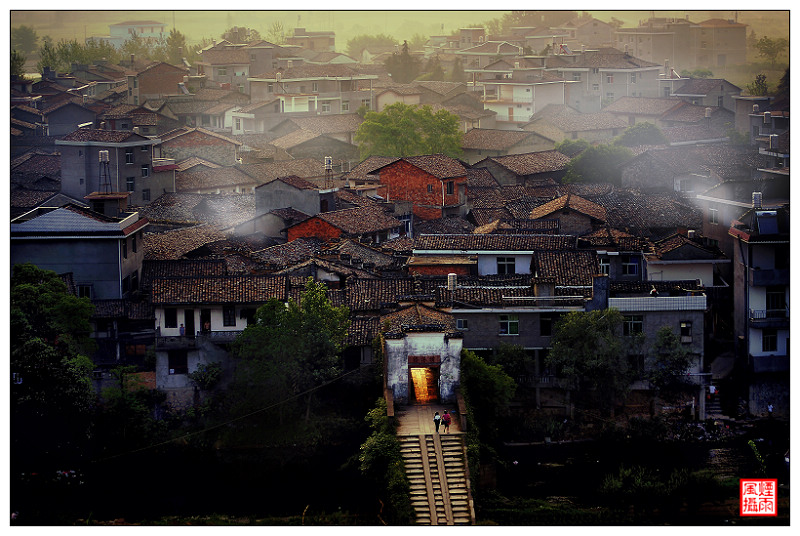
(526, 168)
(602, 76)
(156, 81)
(620, 255)
(715, 92)
(368, 224)
(480, 143)
(556, 123)
(104, 253)
(761, 302)
(68, 116)
(104, 160)
(185, 142)
(587, 32)
(576, 215)
(682, 257)
(516, 98)
(293, 192)
(317, 41)
(434, 184)
(149, 30)
(230, 64)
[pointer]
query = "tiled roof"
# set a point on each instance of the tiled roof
(123, 308)
(567, 267)
(492, 47)
(418, 317)
(480, 178)
(362, 331)
(446, 225)
(438, 165)
(678, 247)
(643, 214)
(293, 139)
(183, 131)
(376, 294)
(400, 245)
(608, 58)
(439, 86)
(327, 124)
(532, 163)
(105, 136)
(614, 239)
(290, 215)
(347, 250)
(226, 56)
(190, 208)
(485, 216)
(281, 256)
(369, 166)
(703, 86)
(43, 164)
(492, 242)
(573, 202)
(297, 182)
(305, 168)
(254, 289)
(174, 244)
(493, 139)
(192, 161)
(360, 220)
(515, 226)
(656, 106)
(217, 177)
(566, 119)
(402, 89)
(164, 268)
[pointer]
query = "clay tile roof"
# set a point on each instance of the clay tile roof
(492, 139)
(283, 255)
(360, 220)
(174, 244)
(703, 86)
(216, 177)
(615, 239)
(293, 139)
(329, 124)
(567, 267)
(45, 164)
(368, 166)
(226, 56)
(164, 268)
(480, 178)
(492, 242)
(419, 317)
(106, 136)
(643, 105)
(305, 168)
(679, 247)
(252, 289)
(531, 163)
(572, 201)
(297, 182)
(438, 165)
(193, 161)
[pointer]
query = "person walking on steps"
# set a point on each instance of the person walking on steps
(436, 420)
(446, 421)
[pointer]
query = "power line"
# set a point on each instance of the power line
(241, 417)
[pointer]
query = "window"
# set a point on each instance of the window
(170, 317)
(146, 194)
(367, 103)
(129, 156)
(85, 291)
(450, 187)
(686, 331)
(595, 87)
(228, 315)
(130, 184)
(632, 324)
(462, 323)
(776, 302)
(145, 148)
(509, 325)
(769, 340)
(430, 188)
(124, 248)
(222, 71)
(713, 216)
(605, 265)
(576, 77)
(248, 314)
(506, 265)
(546, 323)
(145, 170)
(633, 78)
(178, 362)
(630, 265)
(720, 101)
(346, 106)
(314, 87)
(238, 124)
(133, 243)
(269, 88)
(326, 107)
(609, 79)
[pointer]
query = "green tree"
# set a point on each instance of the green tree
(590, 351)
(296, 347)
(24, 39)
(48, 57)
(403, 67)
(176, 48)
(490, 390)
(458, 74)
(433, 70)
(782, 91)
(599, 163)
(669, 362)
(644, 133)
(572, 148)
(52, 397)
(277, 33)
(17, 65)
(771, 49)
(759, 86)
(405, 130)
(359, 43)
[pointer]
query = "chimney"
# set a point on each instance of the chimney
(452, 281)
(690, 234)
(133, 58)
(757, 197)
(755, 108)
(767, 118)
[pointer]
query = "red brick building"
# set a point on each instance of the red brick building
(369, 224)
(436, 185)
(155, 81)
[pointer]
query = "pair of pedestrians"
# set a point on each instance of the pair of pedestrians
(443, 420)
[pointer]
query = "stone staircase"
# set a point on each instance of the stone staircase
(436, 469)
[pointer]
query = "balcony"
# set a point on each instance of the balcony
(769, 318)
(175, 342)
(219, 337)
(763, 278)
